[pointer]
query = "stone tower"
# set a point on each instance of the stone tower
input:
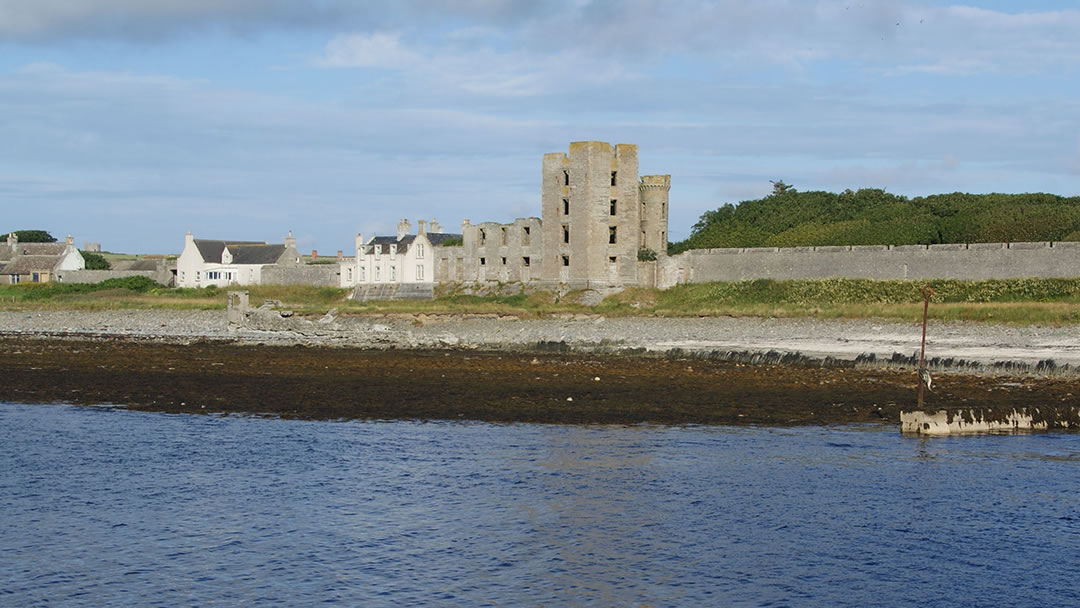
(595, 211)
(653, 191)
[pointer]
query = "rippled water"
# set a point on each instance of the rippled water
(110, 507)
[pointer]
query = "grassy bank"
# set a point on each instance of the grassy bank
(1017, 301)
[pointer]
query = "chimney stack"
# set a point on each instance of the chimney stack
(421, 227)
(290, 242)
(402, 229)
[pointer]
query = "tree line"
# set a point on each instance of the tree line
(872, 216)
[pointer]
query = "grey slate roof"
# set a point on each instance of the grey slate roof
(403, 244)
(256, 254)
(243, 252)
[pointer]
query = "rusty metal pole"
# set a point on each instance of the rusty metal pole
(926, 292)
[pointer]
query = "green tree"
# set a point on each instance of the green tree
(95, 261)
(32, 236)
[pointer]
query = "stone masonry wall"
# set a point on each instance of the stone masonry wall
(975, 261)
(319, 275)
(97, 276)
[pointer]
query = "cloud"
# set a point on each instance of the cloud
(378, 50)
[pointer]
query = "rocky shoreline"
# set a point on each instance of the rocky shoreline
(950, 346)
(568, 370)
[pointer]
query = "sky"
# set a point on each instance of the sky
(130, 123)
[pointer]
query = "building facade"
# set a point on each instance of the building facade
(402, 259)
(223, 263)
(596, 215)
(37, 262)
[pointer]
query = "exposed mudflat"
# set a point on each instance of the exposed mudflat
(319, 382)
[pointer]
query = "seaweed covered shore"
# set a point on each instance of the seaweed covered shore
(320, 382)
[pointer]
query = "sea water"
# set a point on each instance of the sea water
(109, 507)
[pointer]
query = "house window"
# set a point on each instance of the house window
(611, 235)
(419, 251)
(393, 272)
(393, 249)
(611, 210)
(419, 272)
(525, 262)
(14, 279)
(524, 235)
(197, 275)
(34, 277)
(363, 274)
(565, 260)
(349, 274)
(483, 261)
(565, 233)
(613, 177)
(566, 177)
(378, 250)
(378, 271)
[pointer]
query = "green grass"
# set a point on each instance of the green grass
(1016, 302)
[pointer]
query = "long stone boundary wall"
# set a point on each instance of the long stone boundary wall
(97, 276)
(319, 275)
(972, 261)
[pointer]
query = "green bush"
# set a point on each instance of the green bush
(874, 217)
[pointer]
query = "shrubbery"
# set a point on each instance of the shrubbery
(874, 217)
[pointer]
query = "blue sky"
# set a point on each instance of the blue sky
(130, 123)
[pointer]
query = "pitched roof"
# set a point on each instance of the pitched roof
(40, 248)
(210, 250)
(25, 264)
(136, 265)
(256, 254)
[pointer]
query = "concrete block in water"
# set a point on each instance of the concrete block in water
(988, 420)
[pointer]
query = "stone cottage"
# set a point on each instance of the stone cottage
(37, 262)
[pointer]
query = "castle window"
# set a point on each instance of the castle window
(613, 177)
(663, 209)
(483, 261)
(566, 206)
(504, 261)
(611, 235)
(642, 238)
(483, 237)
(611, 210)
(565, 233)
(565, 260)
(566, 177)
(525, 261)
(504, 236)
(525, 235)
(611, 259)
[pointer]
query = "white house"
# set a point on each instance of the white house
(401, 259)
(37, 262)
(223, 263)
